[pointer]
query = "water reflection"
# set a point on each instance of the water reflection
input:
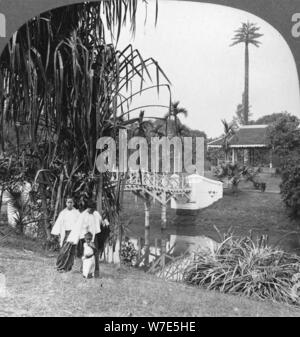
(187, 223)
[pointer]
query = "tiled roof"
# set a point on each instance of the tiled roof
(246, 136)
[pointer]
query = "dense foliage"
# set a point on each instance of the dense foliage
(128, 253)
(284, 138)
(64, 84)
(234, 173)
(245, 267)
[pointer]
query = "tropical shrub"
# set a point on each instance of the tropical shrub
(128, 252)
(253, 269)
(234, 173)
(284, 138)
(230, 172)
(290, 187)
(251, 174)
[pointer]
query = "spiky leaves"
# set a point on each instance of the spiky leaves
(247, 33)
(229, 131)
(63, 83)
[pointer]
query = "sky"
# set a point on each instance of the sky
(191, 43)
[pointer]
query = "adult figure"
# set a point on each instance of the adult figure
(65, 221)
(63, 226)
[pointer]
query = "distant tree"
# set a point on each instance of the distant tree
(229, 131)
(142, 127)
(284, 137)
(173, 114)
(159, 130)
(269, 119)
(247, 34)
(290, 186)
(239, 118)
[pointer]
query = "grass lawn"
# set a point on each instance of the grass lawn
(36, 289)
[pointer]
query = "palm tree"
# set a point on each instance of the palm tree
(175, 111)
(247, 34)
(159, 131)
(228, 133)
(143, 128)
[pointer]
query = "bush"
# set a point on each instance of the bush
(230, 172)
(128, 252)
(284, 138)
(290, 187)
(253, 269)
(234, 173)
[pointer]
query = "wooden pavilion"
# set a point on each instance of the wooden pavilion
(246, 144)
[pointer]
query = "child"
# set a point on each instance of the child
(88, 258)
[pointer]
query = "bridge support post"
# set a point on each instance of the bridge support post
(99, 193)
(163, 228)
(147, 204)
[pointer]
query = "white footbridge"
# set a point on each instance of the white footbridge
(189, 192)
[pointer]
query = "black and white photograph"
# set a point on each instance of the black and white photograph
(150, 161)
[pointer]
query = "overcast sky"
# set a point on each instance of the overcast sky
(191, 43)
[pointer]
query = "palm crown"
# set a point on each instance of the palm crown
(248, 33)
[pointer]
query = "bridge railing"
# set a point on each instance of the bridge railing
(153, 180)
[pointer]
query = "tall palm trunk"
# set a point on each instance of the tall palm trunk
(246, 102)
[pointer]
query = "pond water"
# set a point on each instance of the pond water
(192, 225)
(260, 213)
(255, 212)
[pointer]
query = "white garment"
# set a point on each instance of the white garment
(86, 223)
(88, 263)
(105, 222)
(65, 222)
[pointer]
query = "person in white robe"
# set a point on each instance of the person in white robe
(88, 258)
(88, 221)
(66, 221)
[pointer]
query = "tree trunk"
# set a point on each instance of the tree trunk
(99, 193)
(120, 241)
(45, 215)
(58, 196)
(246, 89)
(1, 197)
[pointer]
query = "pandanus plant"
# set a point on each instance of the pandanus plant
(66, 86)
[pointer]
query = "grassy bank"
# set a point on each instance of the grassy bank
(36, 289)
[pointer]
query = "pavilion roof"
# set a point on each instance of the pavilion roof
(246, 136)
